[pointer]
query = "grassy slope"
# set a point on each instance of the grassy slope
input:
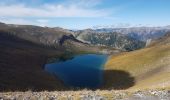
(149, 66)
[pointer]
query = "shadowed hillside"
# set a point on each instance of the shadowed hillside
(117, 79)
(21, 65)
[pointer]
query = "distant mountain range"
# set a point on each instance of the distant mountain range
(139, 33)
(110, 39)
(121, 38)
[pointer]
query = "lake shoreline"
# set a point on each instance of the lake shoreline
(77, 69)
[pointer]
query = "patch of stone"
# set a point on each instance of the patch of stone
(88, 95)
(150, 95)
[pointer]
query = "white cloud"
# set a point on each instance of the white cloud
(42, 14)
(51, 10)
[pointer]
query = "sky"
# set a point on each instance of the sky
(82, 14)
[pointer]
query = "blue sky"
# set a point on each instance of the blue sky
(80, 14)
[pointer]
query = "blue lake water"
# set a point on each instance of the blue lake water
(84, 71)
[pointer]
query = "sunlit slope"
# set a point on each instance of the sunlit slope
(150, 66)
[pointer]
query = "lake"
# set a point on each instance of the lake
(83, 71)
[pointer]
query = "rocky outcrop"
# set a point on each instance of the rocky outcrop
(131, 38)
(111, 39)
(139, 33)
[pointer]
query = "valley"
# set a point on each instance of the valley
(84, 50)
(131, 66)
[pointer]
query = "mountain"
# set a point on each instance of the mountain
(110, 39)
(54, 38)
(147, 68)
(25, 49)
(121, 38)
(139, 33)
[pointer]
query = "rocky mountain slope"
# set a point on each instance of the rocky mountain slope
(147, 68)
(139, 33)
(111, 39)
(121, 38)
